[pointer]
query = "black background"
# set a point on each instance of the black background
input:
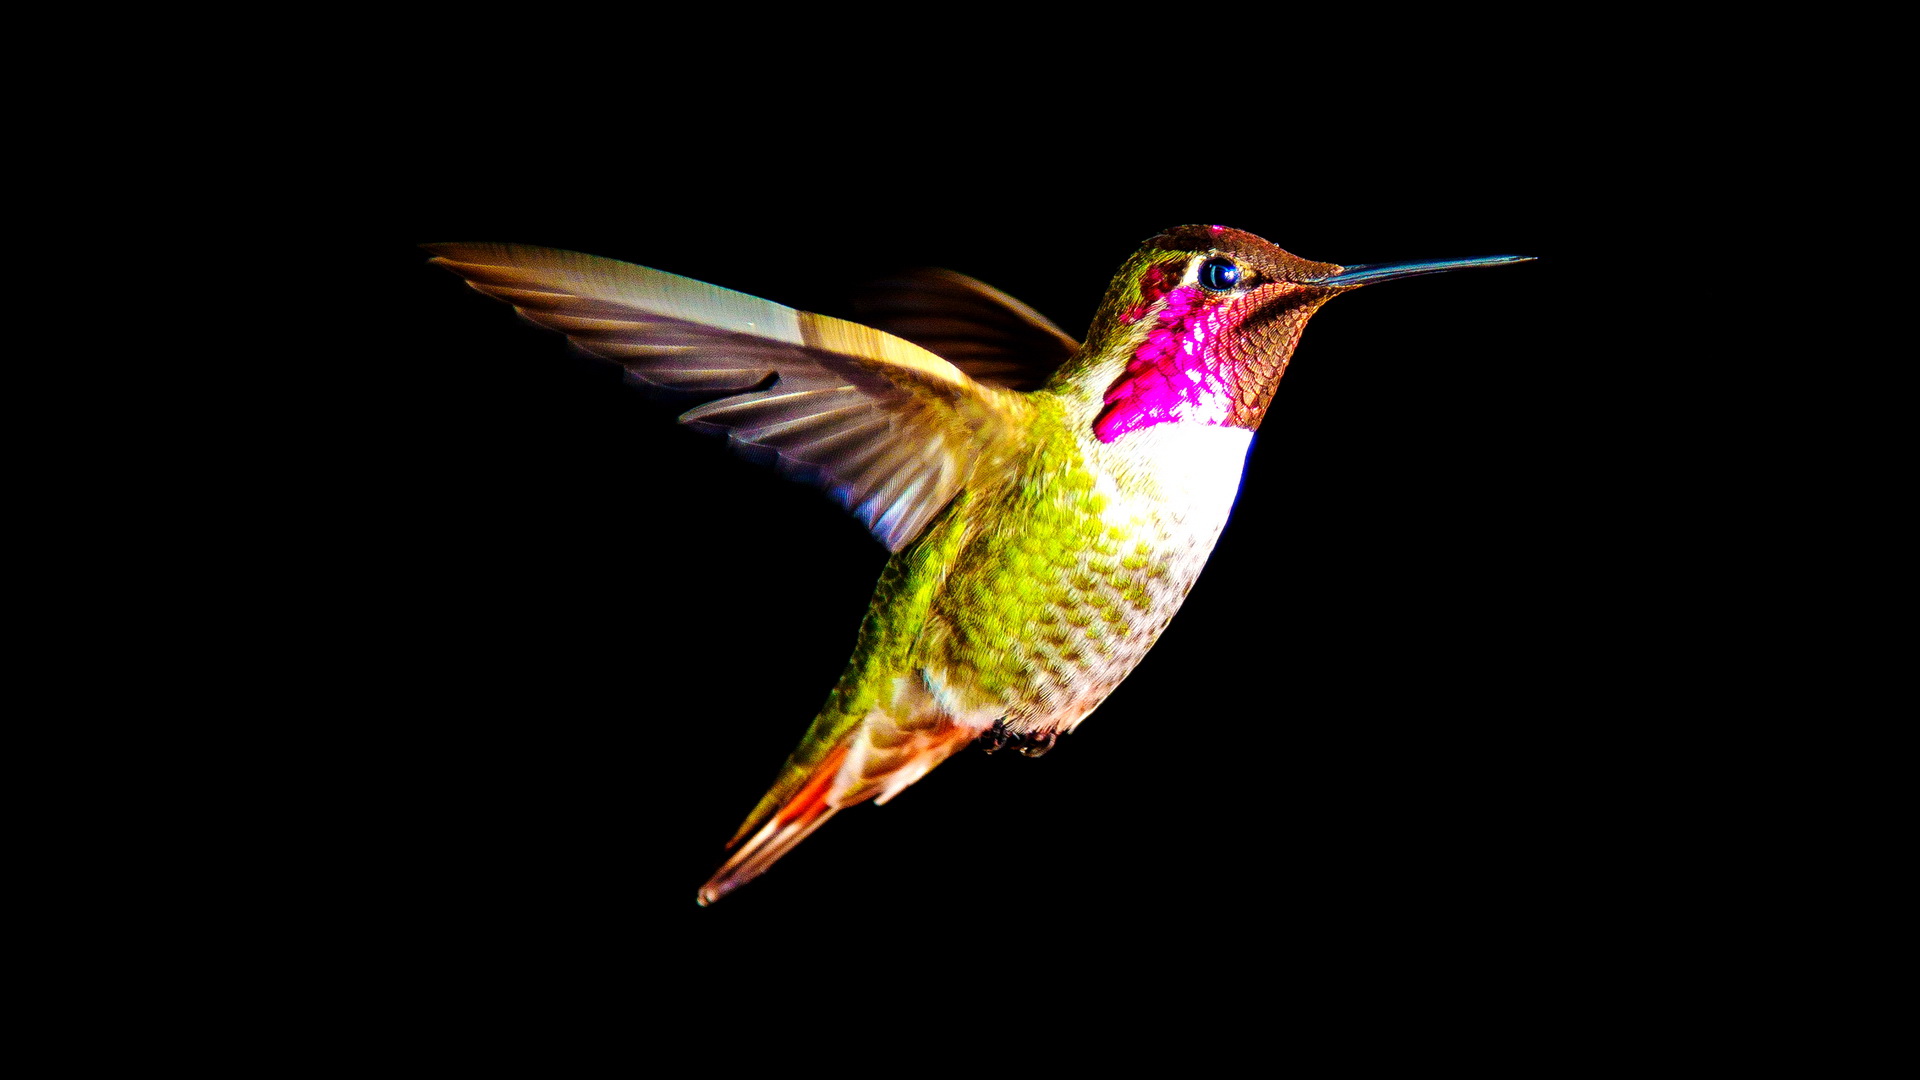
(1384, 735)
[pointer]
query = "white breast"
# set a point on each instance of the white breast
(1169, 487)
(1191, 471)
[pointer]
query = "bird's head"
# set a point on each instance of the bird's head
(1199, 324)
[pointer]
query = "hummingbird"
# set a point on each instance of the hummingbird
(1048, 503)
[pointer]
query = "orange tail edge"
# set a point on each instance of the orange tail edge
(792, 823)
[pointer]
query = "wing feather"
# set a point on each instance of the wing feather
(979, 329)
(890, 429)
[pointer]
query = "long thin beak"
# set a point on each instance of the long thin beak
(1371, 274)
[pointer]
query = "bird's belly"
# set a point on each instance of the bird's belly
(1057, 603)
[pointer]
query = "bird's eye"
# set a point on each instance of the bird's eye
(1219, 274)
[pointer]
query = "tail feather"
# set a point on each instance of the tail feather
(806, 811)
(876, 758)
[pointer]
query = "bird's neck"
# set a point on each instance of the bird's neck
(1169, 353)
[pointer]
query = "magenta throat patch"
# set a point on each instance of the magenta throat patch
(1177, 373)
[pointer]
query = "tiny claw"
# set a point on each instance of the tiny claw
(996, 736)
(1026, 743)
(1037, 745)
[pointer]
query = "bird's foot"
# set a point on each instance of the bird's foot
(1026, 743)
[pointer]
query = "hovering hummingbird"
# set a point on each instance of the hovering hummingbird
(1048, 503)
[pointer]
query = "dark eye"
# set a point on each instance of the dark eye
(1219, 274)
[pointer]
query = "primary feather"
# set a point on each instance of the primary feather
(891, 430)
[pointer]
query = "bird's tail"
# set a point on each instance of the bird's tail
(875, 758)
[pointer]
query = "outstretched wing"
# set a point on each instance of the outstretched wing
(982, 331)
(889, 429)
